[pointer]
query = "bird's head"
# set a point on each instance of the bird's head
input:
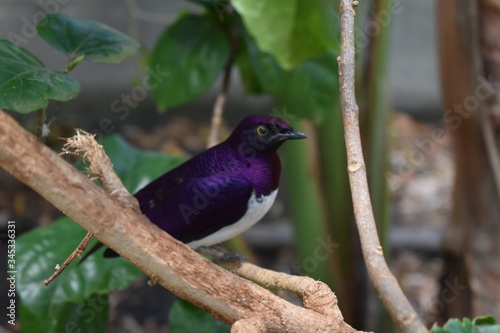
(262, 134)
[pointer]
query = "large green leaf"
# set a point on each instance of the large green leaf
(309, 90)
(193, 52)
(78, 297)
(186, 318)
(26, 84)
(291, 30)
(93, 40)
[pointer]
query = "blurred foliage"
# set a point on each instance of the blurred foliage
(79, 297)
(301, 30)
(92, 40)
(186, 318)
(485, 324)
(193, 51)
(26, 84)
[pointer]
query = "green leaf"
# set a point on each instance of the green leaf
(309, 90)
(193, 52)
(135, 167)
(94, 40)
(291, 30)
(485, 324)
(186, 318)
(248, 76)
(79, 295)
(26, 84)
(485, 320)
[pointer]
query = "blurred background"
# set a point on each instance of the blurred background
(431, 153)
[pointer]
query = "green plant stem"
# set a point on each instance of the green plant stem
(336, 193)
(376, 122)
(307, 209)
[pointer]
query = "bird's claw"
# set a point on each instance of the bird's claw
(235, 259)
(220, 257)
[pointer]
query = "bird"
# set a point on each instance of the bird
(221, 192)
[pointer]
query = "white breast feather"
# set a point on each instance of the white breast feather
(255, 212)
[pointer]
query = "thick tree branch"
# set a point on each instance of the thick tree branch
(226, 296)
(383, 280)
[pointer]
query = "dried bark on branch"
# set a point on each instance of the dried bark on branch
(229, 298)
(383, 280)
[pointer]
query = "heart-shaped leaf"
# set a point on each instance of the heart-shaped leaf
(193, 52)
(308, 91)
(26, 84)
(300, 29)
(93, 40)
(69, 297)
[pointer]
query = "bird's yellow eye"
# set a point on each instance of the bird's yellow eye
(262, 130)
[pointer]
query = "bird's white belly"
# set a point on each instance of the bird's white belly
(257, 208)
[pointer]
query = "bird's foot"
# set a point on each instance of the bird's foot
(220, 256)
(234, 259)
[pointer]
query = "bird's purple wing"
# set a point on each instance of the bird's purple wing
(191, 208)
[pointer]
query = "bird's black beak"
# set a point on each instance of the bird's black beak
(289, 135)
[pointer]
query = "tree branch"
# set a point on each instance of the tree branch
(226, 296)
(383, 280)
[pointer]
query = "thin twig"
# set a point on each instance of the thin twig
(84, 146)
(76, 253)
(213, 138)
(219, 107)
(383, 280)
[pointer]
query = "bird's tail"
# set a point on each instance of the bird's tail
(92, 250)
(107, 254)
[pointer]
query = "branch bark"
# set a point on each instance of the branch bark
(383, 280)
(229, 298)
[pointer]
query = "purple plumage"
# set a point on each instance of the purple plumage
(224, 190)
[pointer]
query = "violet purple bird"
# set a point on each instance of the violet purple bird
(223, 191)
